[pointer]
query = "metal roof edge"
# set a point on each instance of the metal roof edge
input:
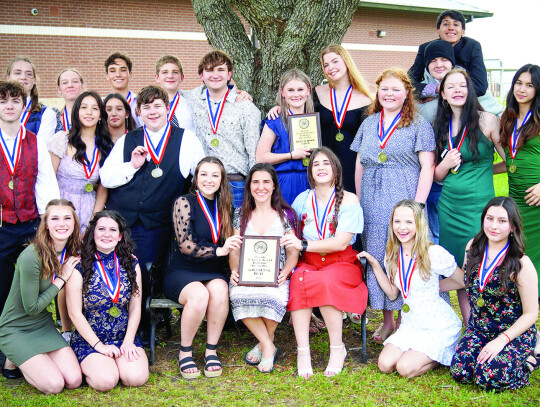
(432, 10)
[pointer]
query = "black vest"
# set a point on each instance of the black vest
(145, 197)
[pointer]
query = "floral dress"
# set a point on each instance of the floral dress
(499, 312)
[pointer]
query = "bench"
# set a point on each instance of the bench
(152, 305)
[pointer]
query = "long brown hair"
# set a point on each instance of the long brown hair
(44, 243)
(408, 109)
(338, 177)
(34, 97)
(223, 195)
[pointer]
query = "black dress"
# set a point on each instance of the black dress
(193, 253)
(351, 124)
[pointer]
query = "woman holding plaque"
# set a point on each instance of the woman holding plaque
(328, 275)
(104, 303)
(119, 119)
(395, 161)
(465, 137)
(70, 85)
(496, 350)
(195, 275)
(263, 213)
(28, 336)
(293, 97)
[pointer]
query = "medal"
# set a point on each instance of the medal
(26, 113)
(213, 221)
(90, 167)
(156, 153)
(110, 278)
(405, 277)
(305, 161)
(214, 142)
(65, 120)
(89, 187)
(384, 136)
(114, 312)
(513, 167)
(339, 114)
(321, 225)
(173, 105)
(484, 273)
(405, 308)
(214, 118)
(12, 159)
(455, 170)
(514, 138)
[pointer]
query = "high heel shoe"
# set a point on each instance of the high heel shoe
(305, 373)
(332, 371)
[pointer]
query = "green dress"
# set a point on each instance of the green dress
(527, 174)
(464, 196)
(26, 327)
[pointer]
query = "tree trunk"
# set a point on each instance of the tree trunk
(291, 34)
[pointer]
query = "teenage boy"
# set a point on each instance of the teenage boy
(228, 129)
(145, 173)
(27, 182)
(467, 52)
(169, 75)
(118, 73)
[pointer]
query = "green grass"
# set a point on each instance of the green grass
(500, 181)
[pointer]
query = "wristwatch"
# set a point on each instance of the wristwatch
(304, 247)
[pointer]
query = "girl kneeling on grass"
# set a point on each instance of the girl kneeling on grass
(429, 329)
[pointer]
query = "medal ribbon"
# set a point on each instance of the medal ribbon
(405, 277)
(173, 105)
(484, 274)
(62, 259)
(157, 152)
(214, 118)
(451, 139)
(515, 135)
(339, 115)
(321, 226)
(26, 113)
(90, 166)
(290, 113)
(65, 120)
(214, 221)
(112, 282)
(129, 97)
(384, 136)
(13, 158)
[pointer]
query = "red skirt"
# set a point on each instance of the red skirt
(333, 279)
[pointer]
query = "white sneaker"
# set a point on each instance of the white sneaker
(67, 336)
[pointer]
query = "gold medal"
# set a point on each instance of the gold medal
(305, 161)
(480, 301)
(512, 168)
(405, 308)
(383, 157)
(215, 142)
(114, 312)
(89, 187)
(10, 184)
(454, 171)
(157, 172)
(340, 136)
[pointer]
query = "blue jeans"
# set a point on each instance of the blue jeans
(432, 205)
(237, 189)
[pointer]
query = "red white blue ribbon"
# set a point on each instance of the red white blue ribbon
(90, 166)
(26, 113)
(129, 97)
(339, 114)
(290, 113)
(405, 277)
(62, 259)
(157, 152)
(213, 221)
(214, 118)
(12, 159)
(384, 136)
(321, 225)
(173, 105)
(451, 139)
(65, 120)
(515, 135)
(110, 278)
(484, 273)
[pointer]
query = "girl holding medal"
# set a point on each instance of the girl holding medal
(395, 161)
(119, 119)
(465, 137)
(496, 350)
(70, 85)
(28, 336)
(293, 97)
(195, 276)
(328, 274)
(104, 302)
(429, 329)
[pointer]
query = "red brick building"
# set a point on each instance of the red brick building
(81, 34)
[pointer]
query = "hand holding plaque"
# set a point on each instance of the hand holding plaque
(259, 261)
(304, 131)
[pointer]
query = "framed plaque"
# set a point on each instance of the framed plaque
(259, 261)
(304, 131)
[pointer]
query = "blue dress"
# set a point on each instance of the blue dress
(96, 305)
(292, 174)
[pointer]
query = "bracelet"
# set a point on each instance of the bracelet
(507, 337)
(94, 347)
(60, 279)
(290, 154)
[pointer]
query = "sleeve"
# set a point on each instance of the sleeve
(251, 130)
(416, 71)
(190, 245)
(46, 187)
(58, 144)
(30, 272)
(350, 219)
(299, 203)
(355, 146)
(115, 172)
(48, 125)
(477, 69)
(442, 262)
(236, 219)
(425, 137)
(191, 152)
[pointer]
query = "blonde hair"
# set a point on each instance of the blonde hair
(288, 76)
(421, 242)
(69, 70)
(34, 96)
(408, 110)
(356, 79)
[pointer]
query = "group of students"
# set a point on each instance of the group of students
(101, 159)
